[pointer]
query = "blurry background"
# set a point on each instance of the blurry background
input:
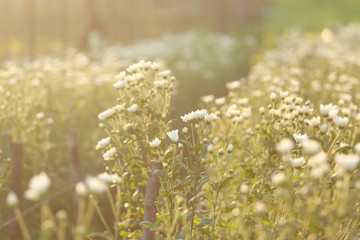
(205, 42)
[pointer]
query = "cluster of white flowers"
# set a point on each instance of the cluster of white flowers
(198, 115)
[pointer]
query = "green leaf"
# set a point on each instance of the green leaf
(225, 183)
(151, 226)
(97, 235)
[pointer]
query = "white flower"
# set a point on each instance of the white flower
(349, 161)
(81, 189)
(272, 96)
(95, 185)
(318, 159)
(12, 200)
(121, 75)
(188, 117)
(261, 110)
(107, 113)
(207, 99)
(333, 113)
(103, 143)
(285, 146)
(164, 74)
(109, 178)
(109, 154)
(233, 85)
(160, 84)
(133, 108)
(199, 114)
(299, 137)
(278, 178)
(244, 188)
(155, 143)
(230, 148)
(310, 146)
(231, 112)
(259, 207)
(220, 101)
(357, 148)
(319, 171)
(315, 121)
(297, 162)
(40, 115)
(243, 101)
(341, 122)
(38, 186)
(174, 135)
(283, 95)
(325, 109)
(208, 117)
(120, 84)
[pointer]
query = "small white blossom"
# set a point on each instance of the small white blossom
(109, 178)
(81, 189)
(283, 95)
(133, 108)
(318, 159)
(272, 96)
(299, 137)
(261, 110)
(297, 162)
(189, 117)
(285, 146)
(310, 146)
(230, 148)
(333, 113)
(349, 162)
(40, 115)
(95, 185)
(259, 207)
(174, 135)
(220, 101)
(208, 117)
(38, 186)
(341, 122)
(325, 109)
(103, 143)
(109, 154)
(357, 148)
(208, 99)
(155, 143)
(160, 84)
(233, 85)
(107, 113)
(278, 178)
(12, 200)
(199, 114)
(120, 84)
(315, 121)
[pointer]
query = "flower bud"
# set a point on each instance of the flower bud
(12, 200)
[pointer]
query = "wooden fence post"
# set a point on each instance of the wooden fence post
(152, 192)
(17, 156)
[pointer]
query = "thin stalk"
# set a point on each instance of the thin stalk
(112, 204)
(20, 219)
(102, 218)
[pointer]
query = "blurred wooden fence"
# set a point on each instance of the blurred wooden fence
(35, 26)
